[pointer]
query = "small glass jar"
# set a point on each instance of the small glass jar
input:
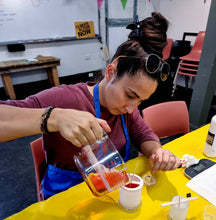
(102, 167)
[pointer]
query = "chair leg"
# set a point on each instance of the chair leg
(175, 82)
(186, 83)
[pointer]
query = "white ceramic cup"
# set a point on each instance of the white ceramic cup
(209, 212)
(178, 211)
(130, 194)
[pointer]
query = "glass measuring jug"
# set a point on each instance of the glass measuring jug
(102, 167)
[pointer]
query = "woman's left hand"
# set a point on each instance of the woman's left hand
(163, 159)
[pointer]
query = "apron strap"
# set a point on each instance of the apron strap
(97, 101)
(127, 147)
(98, 115)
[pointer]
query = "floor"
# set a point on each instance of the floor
(17, 180)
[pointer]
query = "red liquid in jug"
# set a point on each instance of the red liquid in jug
(114, 178)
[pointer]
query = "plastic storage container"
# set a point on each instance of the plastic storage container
(102, 167)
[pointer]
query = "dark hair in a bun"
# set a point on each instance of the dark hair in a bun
(151, 33)
(147, 37)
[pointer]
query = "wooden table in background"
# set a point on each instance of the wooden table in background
(43, 62)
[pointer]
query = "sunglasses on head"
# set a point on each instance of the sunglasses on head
(153, 65)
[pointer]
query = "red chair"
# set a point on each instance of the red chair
(167, 49)
(39, 164)
(188, 65)
(167, 118)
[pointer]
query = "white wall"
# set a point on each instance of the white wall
(86, 55)
(183, 16)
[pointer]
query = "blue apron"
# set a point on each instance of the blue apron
(57, 180)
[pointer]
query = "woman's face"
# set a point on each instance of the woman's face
(125, 94)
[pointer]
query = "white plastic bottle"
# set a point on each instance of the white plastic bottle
(210, 144)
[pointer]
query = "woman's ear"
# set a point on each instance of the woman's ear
(110, 71)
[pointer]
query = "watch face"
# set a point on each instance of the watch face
(195, 169)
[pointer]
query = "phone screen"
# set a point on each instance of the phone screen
(199, 167)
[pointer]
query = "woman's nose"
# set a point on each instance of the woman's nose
(131, 106)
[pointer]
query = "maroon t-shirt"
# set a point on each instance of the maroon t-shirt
(60, 152)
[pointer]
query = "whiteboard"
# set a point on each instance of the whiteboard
(44, 20)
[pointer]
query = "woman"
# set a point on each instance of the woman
(71, 116)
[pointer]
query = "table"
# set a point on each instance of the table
(79, 203)
(43, 62)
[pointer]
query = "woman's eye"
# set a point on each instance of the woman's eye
(129, 96)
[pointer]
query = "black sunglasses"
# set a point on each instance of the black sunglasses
(153, 65)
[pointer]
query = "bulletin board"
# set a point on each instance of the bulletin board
(24, 21)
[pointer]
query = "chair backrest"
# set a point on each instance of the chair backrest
(195, 53)
(180, 48)
(39, 163)
(198, 44)
(167, 49)
(167, 118)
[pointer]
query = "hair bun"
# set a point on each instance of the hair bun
(152, 34)
(160, 22)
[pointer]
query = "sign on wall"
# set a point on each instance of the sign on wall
(84, 29)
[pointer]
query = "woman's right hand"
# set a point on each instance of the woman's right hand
(79, 127)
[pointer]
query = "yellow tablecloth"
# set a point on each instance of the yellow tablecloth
(79, 203)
